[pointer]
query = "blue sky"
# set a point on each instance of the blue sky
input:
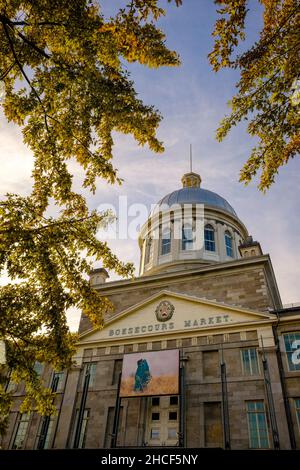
(192, 99)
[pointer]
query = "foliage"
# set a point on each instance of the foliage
(64, 82)
(268, 77)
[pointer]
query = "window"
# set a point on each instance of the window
(11, 386)
(297, 405)
(292, 348)
(89, 369)
(250, 361)
(166, 241)
(155, 434)
(83, 428)
(45, 432)
(57, 381)
(155, 401)
(21, 430)
(173, 401)
(187, 238)
(173, 416)
(38, 368)
(228, 244)
(257, 423)
(149, 250)
(155, 417)
(209, 238)
(172, 433)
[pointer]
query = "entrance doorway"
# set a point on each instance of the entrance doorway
(162, 421)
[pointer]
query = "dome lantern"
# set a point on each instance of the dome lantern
(191, 180)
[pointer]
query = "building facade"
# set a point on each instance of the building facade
(239, 360)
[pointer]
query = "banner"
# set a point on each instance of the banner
(150, 373)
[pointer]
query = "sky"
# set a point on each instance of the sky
(192, 99)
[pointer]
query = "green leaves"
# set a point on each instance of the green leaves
(267, 73)
(64, 81)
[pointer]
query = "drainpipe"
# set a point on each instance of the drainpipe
(287, 406)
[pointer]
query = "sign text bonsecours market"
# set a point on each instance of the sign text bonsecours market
(137, 330)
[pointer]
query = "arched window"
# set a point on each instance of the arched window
(166, 241)
(209, 238)
(187, 242)
(228, 244)
(149, 250)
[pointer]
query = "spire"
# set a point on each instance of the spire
(191, 179)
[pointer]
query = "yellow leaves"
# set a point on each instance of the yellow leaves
(77, 92)
(267, 72)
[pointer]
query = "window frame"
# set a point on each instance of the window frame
(257, 361)
(92, 364)
(296, 367)
(249, 413)
(229, 249)
(17, 427)
(187, 244)
(84, 426)
(209, 228)
(61, 380)
(165, 242)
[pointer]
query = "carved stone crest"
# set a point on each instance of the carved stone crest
(164, 311)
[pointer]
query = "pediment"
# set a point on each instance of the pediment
(189, 313)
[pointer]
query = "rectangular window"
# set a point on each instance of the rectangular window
(187, 242)
(109, 427)
(155, 401)
(173, 401)
(155, 434)
(292, 346)
(11, 386)
(166, 242)
(44, 441)
(297, 405)
(209, 238)
(83, 429)
(155, 417)
(250, 361)
(38, 368)
(257, 425)
(57, 381)
(89, 368)
(172, 433)
(173, 415)
(20, 435)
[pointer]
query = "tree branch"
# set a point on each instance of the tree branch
(6, 21)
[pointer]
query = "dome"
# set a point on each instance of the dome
(197, 196)
(169, 241)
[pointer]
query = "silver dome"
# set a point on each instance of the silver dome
(197, 196)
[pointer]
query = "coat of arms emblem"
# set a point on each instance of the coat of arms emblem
(164, 311)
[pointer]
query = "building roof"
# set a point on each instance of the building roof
(191, 195)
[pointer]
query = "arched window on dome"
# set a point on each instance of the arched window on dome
(187, 240)
(149, 250)
(209, 238)
(228, 244)
(165, 241)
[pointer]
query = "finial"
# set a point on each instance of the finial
(191, 179)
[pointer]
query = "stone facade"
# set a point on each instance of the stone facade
(239, 350)
(257, 325)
